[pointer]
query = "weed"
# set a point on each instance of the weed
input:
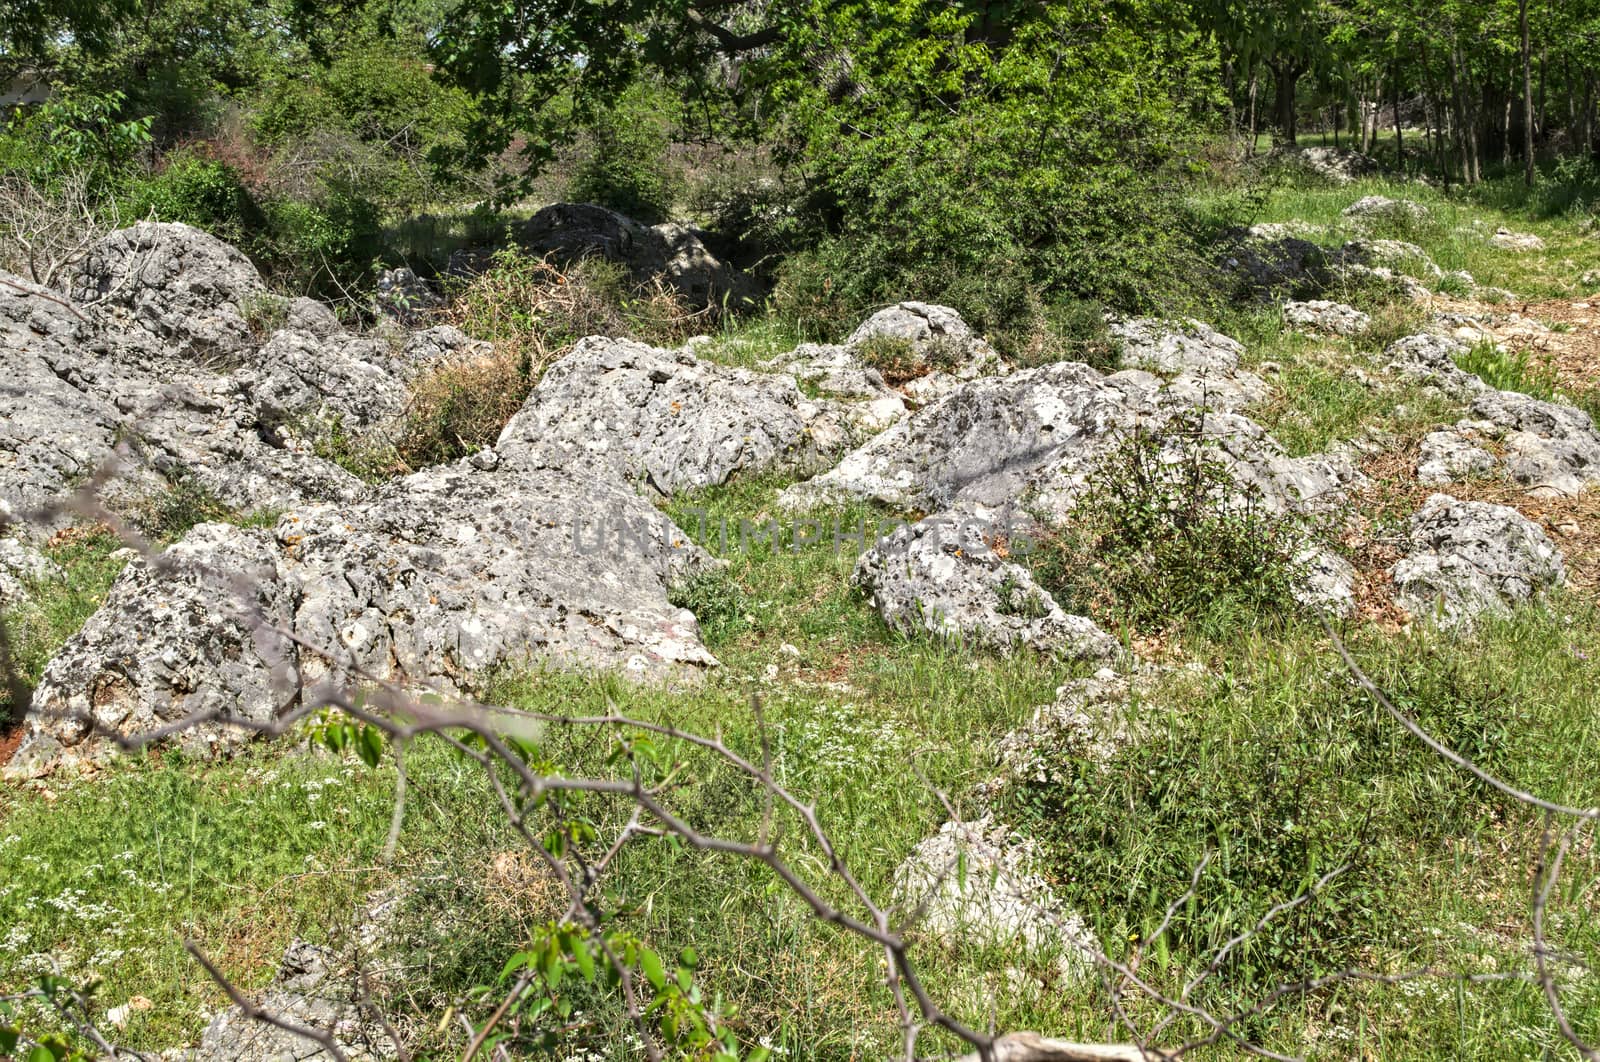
(1509, 368)
(1165, 533)
(719, 603)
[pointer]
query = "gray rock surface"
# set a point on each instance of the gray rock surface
(975, 884)
(1320, 315)
(1089, 720)
(659, 416)
(1449, 457)
(1431, 359)
(21, 565)
(1336, 165)
(1550, 448)
(316, 987)
(941, 576)
(185, 287)
(435, 581)
(1381, 208)
(1269, 262)
(1470, 558)
(173, 640)
(1506, 240)
(938, 336)
(1172, 347)
(406, 297)
(572, 231)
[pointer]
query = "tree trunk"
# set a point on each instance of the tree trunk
(1527, 97)
(1399, 138)
(1255, 80)
(1459, 115)
(1285, 80)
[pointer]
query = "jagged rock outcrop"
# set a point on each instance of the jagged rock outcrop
(190, 634)
(21, 565)
(1469, 558)
(1506, 240)
(939, 338)
(942, 576)
(1089, 720)
(1550, 448)
(406, 297)
(457, 570)
(1431, 359)
(1371, 208)
(974, 884)
(1336, 165)
(318, 987)
(436, 580)
(662, 417)
(54, 432)
(1321, 315)
(185, 287)
(849, 394)
(1449, 457)
(1175, 346)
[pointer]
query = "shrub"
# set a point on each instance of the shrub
(624, 164)
(1166, 533)
(461, 407)
(199, 191)
(719, 603)
(324, 246)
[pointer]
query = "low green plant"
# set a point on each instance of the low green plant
(625, 163)
(719, 602)
(1166, 534)
(1509, 368)
(85, 563)
(205, 192)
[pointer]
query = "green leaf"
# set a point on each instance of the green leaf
(369, 745)
(8, 1040)
(650, 966)
(41, 1054)
(584, 960)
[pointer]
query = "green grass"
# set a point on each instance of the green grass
(1456, 234)
(109, 877)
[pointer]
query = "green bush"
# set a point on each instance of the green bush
(1165, 534)
(719, 603)
(625, 165)
(199, 191)
(1509, 369)
(326, 245)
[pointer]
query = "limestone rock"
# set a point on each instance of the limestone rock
(663, 417)
(343, 380)
(1175, 346)
(1449, 457)
(21, 565)
(190, 633)
(454, 571)
(1335, 165)
(1550, 448)
(941, 576)
(937, 336)
(1470, 558)
(1320, 315)
(974, 884)
(1371, 208)
(185, 287)
(573, 231)
(1506, 240)
(406, 297)
(1431, 359)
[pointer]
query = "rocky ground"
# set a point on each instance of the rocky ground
(1455, 490)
